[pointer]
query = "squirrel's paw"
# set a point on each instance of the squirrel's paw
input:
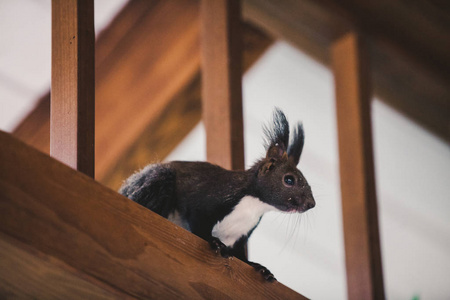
(264, 271)
(219, 247)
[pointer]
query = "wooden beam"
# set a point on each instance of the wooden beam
(410, 66)
(73, 89)
(361, 237)
(49, 208)
(221, 82)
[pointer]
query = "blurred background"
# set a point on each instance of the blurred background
(305, 252)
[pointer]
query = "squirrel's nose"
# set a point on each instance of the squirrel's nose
(310, 204)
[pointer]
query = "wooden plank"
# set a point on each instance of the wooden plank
(359, 205)
(48, 207)
(221, 82)
(410, 66)
(29, 274)
(73, 87)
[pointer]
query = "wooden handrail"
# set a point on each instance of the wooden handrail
(92, 234)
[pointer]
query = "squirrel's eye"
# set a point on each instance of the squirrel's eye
(289, 180)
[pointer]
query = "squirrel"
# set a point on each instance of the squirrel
(224, 207)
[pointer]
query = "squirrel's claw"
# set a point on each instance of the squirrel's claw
(264, 271)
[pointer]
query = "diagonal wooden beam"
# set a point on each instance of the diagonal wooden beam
(111, 245)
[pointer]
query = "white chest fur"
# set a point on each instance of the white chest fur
(244, 217)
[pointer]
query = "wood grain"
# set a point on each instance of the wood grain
(49, 207)
(73, 87)
(29, 274)
(359, 204)
(222, 82)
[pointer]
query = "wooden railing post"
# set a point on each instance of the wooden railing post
(221, 82)
(360, 217)
(73, 84)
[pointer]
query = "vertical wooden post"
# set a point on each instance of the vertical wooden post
(73, 84)
(361, 236)
(221, 82)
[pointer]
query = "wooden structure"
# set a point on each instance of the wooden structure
(222, 76)
(43, 201)
(359, 203)
(73, 88)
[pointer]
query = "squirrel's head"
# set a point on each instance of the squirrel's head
(279, 182)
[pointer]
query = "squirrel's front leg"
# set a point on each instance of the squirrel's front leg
(217, 245)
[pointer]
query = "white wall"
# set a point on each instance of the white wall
(25, 53)
(305, 252)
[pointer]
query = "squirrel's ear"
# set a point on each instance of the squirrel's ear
(296, 146)
(276, 152)
(274, 155)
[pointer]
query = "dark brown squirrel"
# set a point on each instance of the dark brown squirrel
(224, 207)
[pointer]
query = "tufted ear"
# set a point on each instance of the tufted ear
(296, 146)
(277, 135)
(277, 139)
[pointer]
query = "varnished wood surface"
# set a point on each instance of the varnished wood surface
(359, 204)
(26, 273)
(73, 87)
(221, 40)
(69, 217)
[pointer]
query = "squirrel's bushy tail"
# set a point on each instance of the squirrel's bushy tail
(152, 187)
